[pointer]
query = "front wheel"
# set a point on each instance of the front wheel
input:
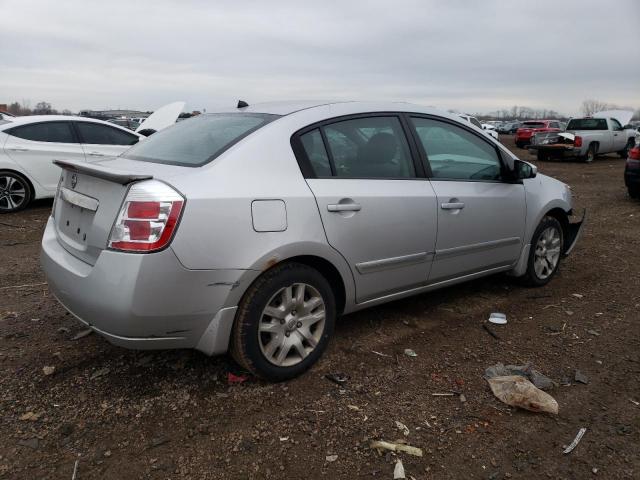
(284, 322)
(625, 153)
(634, 192)
(15, 192)
(545, 253)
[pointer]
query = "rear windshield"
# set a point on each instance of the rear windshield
(532, 125)
(587, 124)
(199, 140)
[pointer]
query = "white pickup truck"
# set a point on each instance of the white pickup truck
(587, 137)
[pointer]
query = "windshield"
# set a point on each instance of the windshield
(532, 125)
(587, 124)
(199, 140)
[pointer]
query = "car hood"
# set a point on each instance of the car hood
(623, 116)
(163, 117)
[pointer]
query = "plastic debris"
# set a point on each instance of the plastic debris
(403, 428)
(538, 379)
(339, 378)
(519, 392)
(396, 447)
(380, 354)
(331, 458)
(581, 377)
(463, 398)
(398, 471)
(48, 370)
(446, 394)
(577, 295)
(410, 353)
(576, 440)
(233, 379)
(498, 318)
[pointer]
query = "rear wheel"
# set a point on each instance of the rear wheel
(284, 322)
(592, 151)
(519, 144)
(634, 192)
(15, 192)
(545, 253)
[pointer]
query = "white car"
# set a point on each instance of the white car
(30, 144)
(475, 122)
(490, 129)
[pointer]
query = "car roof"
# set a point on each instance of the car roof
(27, 119)
(344, 106)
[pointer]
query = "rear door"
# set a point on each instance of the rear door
(377, 208)
(100, 140)
(34, 147)
(481, 218)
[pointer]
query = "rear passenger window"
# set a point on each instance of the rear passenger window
(455, 153)
(316, 153)
(371, 147)
(97, 134)
(56, 132)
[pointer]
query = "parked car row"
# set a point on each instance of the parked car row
(585, 138)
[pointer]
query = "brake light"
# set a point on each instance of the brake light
(148, 218)
(634, 153)
(577, 141)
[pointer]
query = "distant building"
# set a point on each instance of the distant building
(4, 107)
(108, 114)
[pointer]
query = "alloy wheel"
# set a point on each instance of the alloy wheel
(292, 324)
(13, 192)
(547, 253)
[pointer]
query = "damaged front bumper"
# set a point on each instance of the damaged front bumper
(574, 231)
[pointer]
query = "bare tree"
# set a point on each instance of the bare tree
(591, 106)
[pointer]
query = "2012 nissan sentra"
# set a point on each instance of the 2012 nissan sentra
(252, 230)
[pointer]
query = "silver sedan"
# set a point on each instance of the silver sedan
(253, 229)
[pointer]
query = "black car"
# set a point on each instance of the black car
(632, 172)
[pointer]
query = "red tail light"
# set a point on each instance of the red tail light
(634, 153)
(148, 218)
(577, 142)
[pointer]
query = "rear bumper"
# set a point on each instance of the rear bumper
(563, 151)
(144, 301)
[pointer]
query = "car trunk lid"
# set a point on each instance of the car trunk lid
(87, 203)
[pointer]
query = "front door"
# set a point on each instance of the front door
(34, 147)
(481, 218)
(376, 210)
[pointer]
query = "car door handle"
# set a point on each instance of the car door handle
(452, 206)
(344, 207)
(19, 149)
(96, 154)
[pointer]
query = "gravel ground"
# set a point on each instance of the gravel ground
(173, 414)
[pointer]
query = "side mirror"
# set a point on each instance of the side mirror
(524, 170)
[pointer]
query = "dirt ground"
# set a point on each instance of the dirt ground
(172, 414)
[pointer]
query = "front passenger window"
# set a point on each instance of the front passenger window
(455, 153)
(370, 147)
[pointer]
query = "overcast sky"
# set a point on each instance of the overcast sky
(474, 56)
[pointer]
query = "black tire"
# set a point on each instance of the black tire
(542, 156)
(519, 144)
(246, 338)
(634, 192)
(625, 153)
(531, 278)
(592, 151)
(15, 192)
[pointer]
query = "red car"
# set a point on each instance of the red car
(531, 127)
